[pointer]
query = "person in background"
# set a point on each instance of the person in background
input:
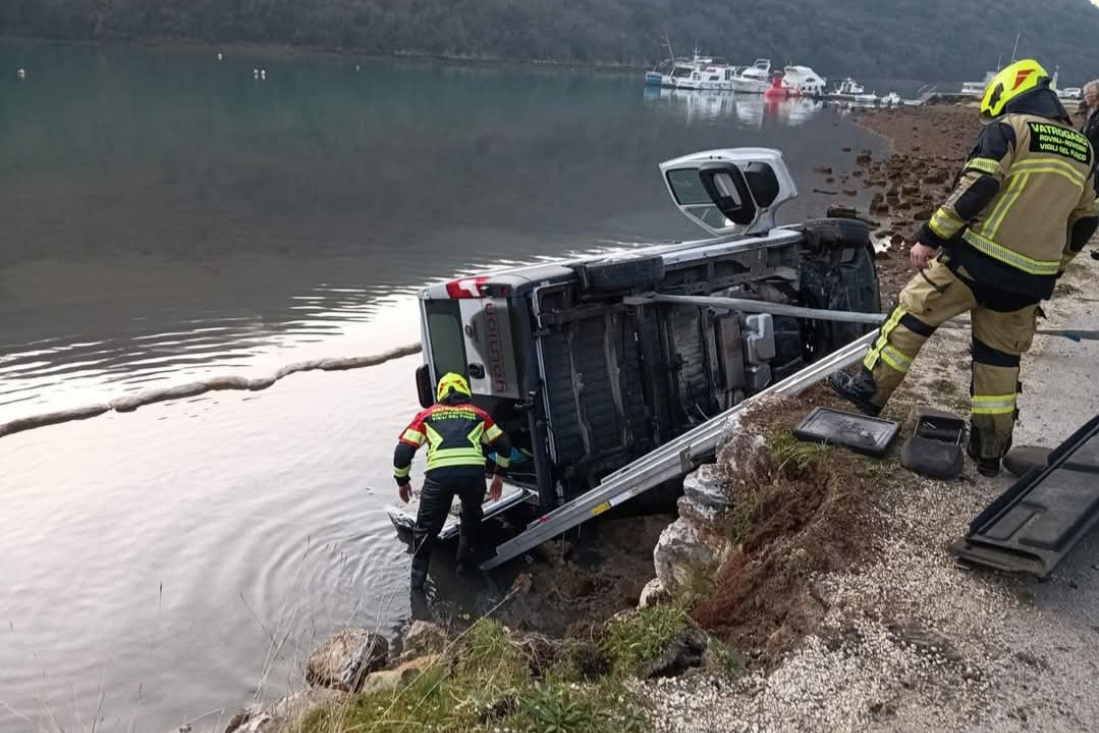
(1091, 110)
(1022, 208)
(454, 431)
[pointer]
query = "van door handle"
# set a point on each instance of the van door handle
(476, 371)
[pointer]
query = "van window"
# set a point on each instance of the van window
(687, 187)
(448, 346)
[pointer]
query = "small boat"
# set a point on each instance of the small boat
(977, 88)
(803, 81)
(752, 79)
(891, 100)
(706, 73)
(678, 72)
(846, 91)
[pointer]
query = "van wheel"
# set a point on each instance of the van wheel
(837, 273)
(621, 272)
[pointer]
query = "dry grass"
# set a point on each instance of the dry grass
(809, 509)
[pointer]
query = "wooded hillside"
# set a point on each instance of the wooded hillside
(915, 39)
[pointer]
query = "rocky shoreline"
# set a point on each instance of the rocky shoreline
(929, 145)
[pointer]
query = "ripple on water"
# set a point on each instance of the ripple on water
(162, 553)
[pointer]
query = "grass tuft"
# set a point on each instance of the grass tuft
(637, 638)
(485, 684)
(727, 661)
(792, 458)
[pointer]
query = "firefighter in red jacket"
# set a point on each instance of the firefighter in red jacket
(454, 431)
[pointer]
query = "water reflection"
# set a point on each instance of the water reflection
(749, 111)
(158, 230)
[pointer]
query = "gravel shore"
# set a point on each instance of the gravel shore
(912, 641)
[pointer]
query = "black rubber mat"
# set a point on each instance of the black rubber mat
(935, 448)
(869, 435)
(1034, 524)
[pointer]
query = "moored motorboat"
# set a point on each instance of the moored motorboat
(803, 81)
(753, 79)
(846, 91)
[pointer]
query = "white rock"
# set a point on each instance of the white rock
(705, 489)
(653, 593)
(696, 513)
(390, 679)
(423, 637)
(287, 714)
(344, 660)
(679, 553)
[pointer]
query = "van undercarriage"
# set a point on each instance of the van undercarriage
(587, 378)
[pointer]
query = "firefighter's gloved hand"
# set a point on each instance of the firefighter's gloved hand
(496, 489)
(926, 235)
(921, 254)
(405, 492)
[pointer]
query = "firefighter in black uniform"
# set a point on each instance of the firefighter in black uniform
(454, 431)
(1023, 206)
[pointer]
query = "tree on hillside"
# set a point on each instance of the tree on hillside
(928, 39)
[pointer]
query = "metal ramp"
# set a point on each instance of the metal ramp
(670, 461)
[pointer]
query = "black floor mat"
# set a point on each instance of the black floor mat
(869, 435)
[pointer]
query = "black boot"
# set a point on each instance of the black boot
(858, 390)
(989, 467)
(419, 574)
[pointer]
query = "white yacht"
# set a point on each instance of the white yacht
(753, 79)
(803, 81)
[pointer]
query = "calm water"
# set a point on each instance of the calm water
(166, 216)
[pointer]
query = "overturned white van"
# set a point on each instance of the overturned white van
(587, 377)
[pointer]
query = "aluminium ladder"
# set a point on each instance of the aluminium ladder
(670, 461)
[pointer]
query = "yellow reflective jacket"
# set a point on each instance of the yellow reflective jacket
(1023, 207)
(454, 434)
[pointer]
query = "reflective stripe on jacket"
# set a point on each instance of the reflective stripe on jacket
(1010, 220)
(454, 435)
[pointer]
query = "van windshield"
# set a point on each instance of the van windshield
(444, 326)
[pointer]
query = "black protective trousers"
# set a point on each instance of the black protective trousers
(436, 498)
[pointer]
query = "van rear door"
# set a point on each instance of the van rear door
(469, 332)
(490, 354)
